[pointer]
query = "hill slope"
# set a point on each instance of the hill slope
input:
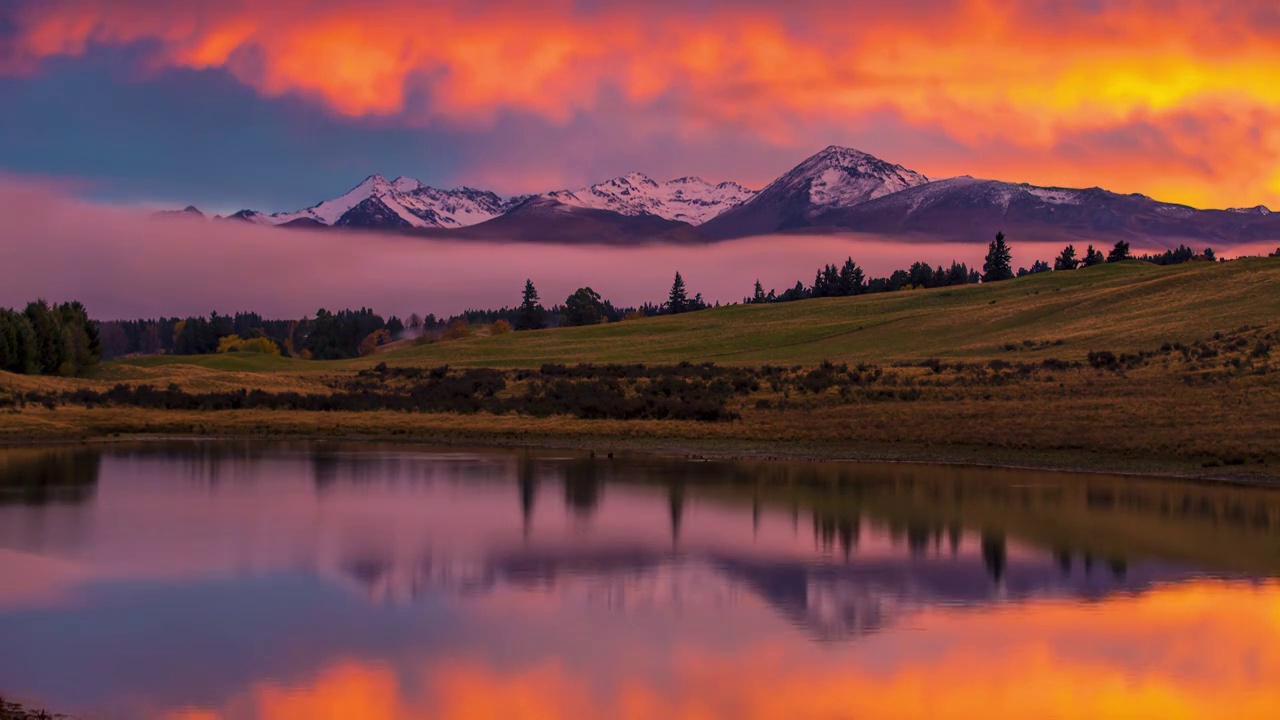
(1126, 307)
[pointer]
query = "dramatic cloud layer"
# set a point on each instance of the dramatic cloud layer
(1174, 98)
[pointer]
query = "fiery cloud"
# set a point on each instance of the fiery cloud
(1176, 98)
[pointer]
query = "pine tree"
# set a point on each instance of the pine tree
(1119, 252)
(852, 280)
(759, 296)
(678, 300)
(1067, 259)
(1093, 257)
(999, 263)
(530, 316)
(51, 344)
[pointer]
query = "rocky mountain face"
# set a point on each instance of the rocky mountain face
(834, 178)
(970, 208)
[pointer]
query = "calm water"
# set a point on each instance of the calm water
(202, 581)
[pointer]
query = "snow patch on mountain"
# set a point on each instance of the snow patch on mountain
(842, 177)
(1255, 210)
(404, 202)
(687, 199)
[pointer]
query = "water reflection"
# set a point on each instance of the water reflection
(271, 581)
(44, 477)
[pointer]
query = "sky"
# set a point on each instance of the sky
(277, 105)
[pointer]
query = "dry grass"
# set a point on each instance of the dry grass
(1167, 413)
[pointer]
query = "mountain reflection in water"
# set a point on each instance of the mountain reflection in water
(230, 580)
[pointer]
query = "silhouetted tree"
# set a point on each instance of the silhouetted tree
(852, 280)
(998, 265)
(1093, 257)
(678, 298)
(583, 307)
(1067, 260)
(530, 316)
(1119, 252)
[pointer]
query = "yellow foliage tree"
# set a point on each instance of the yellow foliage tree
(235, 343)
(499, 327)
(369, 345)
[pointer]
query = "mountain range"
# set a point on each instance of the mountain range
(837, 190)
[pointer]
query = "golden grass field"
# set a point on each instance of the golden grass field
(1198, 416)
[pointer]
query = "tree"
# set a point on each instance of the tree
(584, 307)
(758, 296)
(17, 343)
(1119, 252)
(1067, 259)
(395, 326)
(1093, 257)
(1208, 255)
(369, 345)
(83, 346)
(852, 279)
(530, 315)
(51, 344)
(999, 262)
(678, 299)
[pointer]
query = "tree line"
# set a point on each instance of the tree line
(61, 340)
(47, 339)
(585, 306)
(326, 336)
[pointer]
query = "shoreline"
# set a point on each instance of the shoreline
(1036, 460)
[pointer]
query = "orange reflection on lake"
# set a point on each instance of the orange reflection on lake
(1202, 649)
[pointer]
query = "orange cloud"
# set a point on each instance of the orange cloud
(1192, 651)
(1019, 82)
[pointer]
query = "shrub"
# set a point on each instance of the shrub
(457, 330)
(500, 327)
(237, 344)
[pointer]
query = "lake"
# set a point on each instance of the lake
(207, 580)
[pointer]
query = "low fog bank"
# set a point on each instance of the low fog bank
(125, 264)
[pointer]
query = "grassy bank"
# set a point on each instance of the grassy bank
(1127, 367)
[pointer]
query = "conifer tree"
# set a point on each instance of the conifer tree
(678, 300)
(530, 316)
(999, 263)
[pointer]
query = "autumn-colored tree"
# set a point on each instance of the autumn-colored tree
(369, 345)
(459, 328)
(500, 327)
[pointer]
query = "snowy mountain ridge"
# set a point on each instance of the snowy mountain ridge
(838, 189)
(409, 203)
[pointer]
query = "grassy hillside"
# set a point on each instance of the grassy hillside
(990, 374)
(1121, 307)
(1128, 306)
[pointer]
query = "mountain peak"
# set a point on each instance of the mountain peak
(1255, 210)
(407, 184)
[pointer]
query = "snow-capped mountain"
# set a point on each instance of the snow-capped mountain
(401, 203)
(688, 199)
(973, 208)
(837, 177)
(838, 189)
